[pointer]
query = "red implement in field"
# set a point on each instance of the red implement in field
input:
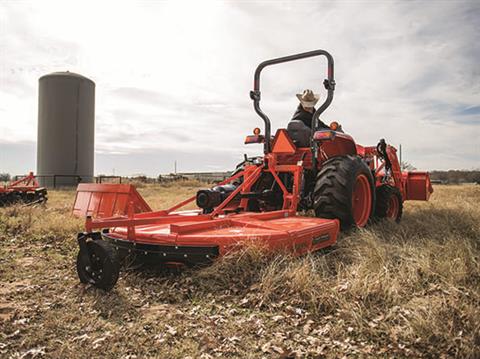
(25, 190)
(319, 169)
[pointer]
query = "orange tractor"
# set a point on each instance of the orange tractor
(346, 185)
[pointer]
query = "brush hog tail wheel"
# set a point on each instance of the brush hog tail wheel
(344, 189)
(389, 203)
(98, 263)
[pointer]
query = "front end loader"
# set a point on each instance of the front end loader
(345, 184)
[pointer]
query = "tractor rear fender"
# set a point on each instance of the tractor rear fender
(417, 186)
(340, 145)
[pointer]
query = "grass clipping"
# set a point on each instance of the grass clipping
(408, 290)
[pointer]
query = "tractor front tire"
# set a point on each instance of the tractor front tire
(389, 203)
(344, 189)
(99, 265)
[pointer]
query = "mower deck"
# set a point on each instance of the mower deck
(277, 230)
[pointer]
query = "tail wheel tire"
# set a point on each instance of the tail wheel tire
(389, 203)
(99, 265)
(344, 189)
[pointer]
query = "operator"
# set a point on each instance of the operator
(306, 109)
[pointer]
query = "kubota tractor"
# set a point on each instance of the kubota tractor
(324, 170)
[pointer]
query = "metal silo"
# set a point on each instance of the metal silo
(66, 129)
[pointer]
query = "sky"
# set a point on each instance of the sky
(173, 78)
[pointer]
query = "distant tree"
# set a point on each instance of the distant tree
(439, 176)
(476, 177)
(4, 177)
(140, 178)
(456, 176)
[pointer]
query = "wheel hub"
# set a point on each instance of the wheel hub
(393, 207)
(361, 200)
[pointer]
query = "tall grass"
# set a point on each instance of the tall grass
(408, 290)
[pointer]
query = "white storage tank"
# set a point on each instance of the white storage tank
(66, 129)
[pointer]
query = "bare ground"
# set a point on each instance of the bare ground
(408, 290)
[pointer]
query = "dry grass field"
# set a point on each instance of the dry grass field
(408, 290)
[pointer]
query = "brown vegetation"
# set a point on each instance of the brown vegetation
(456, 176)
(391, 290)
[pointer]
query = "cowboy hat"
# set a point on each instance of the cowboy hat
(308, 98)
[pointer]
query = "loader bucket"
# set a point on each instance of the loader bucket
(107, 200)
(418, 186)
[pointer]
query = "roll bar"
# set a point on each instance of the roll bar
(329, 84)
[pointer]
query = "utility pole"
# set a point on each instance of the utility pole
(401, 157)
(175, 166)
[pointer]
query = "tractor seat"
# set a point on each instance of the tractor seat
(299, 133)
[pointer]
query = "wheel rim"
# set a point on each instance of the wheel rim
(393, 207)
(95, 270)
(361, 200)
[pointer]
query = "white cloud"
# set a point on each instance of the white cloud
(173, 77)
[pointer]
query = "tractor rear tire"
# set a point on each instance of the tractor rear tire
(344, 189)
(99, 265)
(389, 203)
